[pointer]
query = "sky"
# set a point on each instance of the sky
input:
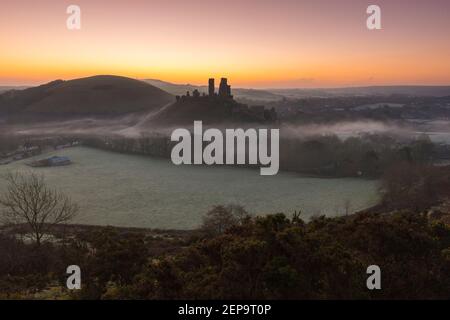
(255, 43)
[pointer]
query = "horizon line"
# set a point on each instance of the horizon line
(243, 87)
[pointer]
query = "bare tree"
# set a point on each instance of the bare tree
(28, 200)
(220, 218)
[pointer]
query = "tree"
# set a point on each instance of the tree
(411, 186)
(28, 200)
(220, 218)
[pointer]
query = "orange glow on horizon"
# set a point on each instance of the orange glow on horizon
(256, 43)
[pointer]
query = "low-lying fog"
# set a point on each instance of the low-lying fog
(131, 127)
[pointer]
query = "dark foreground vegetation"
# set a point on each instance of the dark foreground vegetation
(234, 255)
(271, 257)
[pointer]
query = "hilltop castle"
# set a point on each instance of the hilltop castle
(224, 91)
(225, 99)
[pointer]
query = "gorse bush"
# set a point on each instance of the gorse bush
(276, 258)
(271, 257)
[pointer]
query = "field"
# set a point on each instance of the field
(137, 191)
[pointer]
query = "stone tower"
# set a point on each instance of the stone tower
(224, 88)
(211, 88)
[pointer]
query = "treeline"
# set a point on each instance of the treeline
(154, 145)
(414, 187)
(368, 155)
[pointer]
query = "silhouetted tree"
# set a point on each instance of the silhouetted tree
(30, 201)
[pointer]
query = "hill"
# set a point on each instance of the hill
(98, 95)
(272, 94)
(211, 110)
(186, 112)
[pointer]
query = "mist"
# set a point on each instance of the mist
(132, 127)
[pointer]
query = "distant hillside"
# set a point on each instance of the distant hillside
(240, 94)
(270, 95)
(97, 95)
(417, 91)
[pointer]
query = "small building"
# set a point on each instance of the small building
(54, 161)
(59, 161)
